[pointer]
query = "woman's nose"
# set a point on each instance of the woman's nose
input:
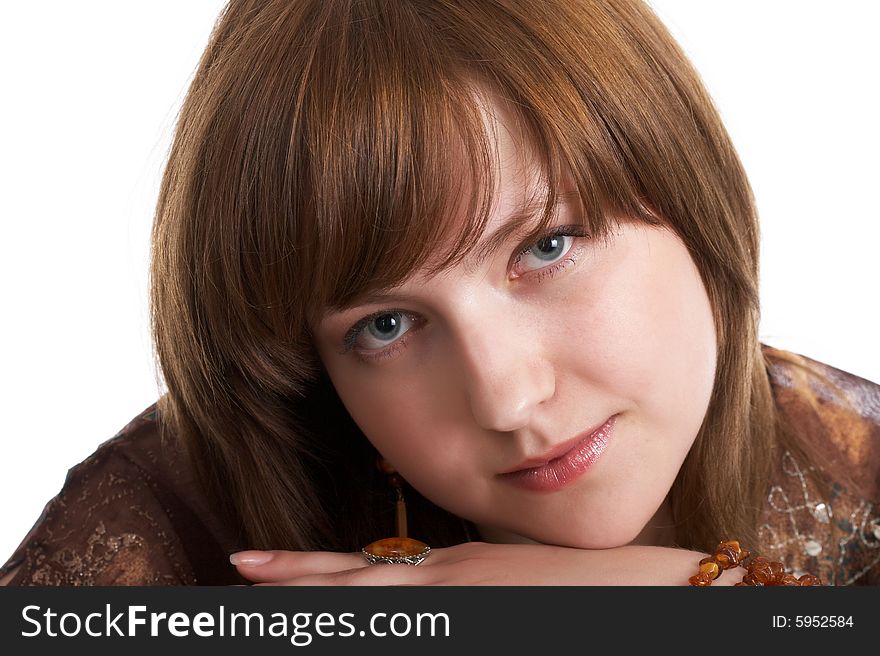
(506, 373)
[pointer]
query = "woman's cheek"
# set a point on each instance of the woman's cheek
(616, 343)
(407, 432)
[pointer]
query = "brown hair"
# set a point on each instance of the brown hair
(317, 156)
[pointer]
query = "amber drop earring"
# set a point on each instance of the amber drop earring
(401, 548)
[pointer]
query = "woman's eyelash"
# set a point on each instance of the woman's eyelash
(355, 331)
(558, 231)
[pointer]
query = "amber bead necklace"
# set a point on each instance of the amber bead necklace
(760, 571)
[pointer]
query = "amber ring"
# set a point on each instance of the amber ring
(396, 551)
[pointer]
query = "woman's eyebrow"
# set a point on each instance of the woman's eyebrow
(382, 295)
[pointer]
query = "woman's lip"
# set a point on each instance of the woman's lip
(557, 451)
(564, 469)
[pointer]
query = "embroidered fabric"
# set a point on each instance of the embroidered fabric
(836, 538)
(131, 514)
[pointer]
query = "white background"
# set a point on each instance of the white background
(88, 99)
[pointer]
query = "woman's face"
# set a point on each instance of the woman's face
(468, 374)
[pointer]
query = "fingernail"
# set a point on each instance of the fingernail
(250, 557)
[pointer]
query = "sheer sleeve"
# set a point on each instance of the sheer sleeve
(837, 537)
(127, 515)
(105, 527)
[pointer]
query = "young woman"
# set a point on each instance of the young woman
(504, 250)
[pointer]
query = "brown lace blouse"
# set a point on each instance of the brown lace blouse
(131, 514)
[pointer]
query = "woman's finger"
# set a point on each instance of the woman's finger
(382, 574)
(278, 565)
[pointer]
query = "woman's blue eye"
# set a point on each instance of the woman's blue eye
(380, 328)
(386, 326)
(548, 249)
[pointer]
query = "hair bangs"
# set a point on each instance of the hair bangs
(403, 166)
(393, 179)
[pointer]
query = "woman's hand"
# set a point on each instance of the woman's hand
(482, 563)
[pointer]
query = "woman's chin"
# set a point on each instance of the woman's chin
(586, 539)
